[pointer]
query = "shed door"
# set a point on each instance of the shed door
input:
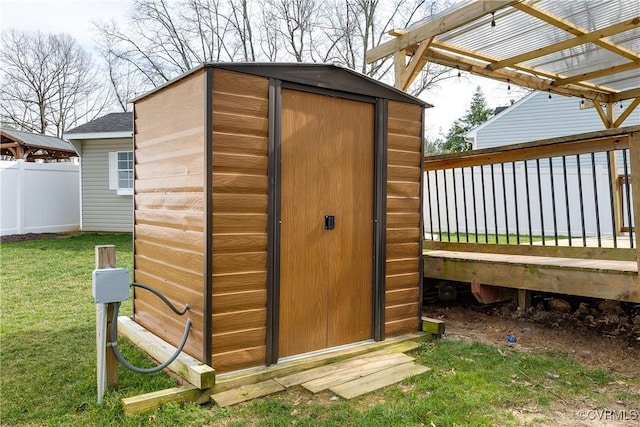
(327, 169)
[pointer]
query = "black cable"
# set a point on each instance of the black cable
(113, 336)
(163, 298)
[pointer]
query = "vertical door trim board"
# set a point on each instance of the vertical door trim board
(422, 230)
(273, 227)
(208, 216)
(380, 216)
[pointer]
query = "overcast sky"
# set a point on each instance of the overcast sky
(75, 17)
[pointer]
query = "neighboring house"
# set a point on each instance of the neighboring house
(105, 146)
(534, 118)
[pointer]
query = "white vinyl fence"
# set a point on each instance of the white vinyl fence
(475, 200)
(39, 197)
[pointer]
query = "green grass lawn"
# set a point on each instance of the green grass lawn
(48, 362)
(502, 239)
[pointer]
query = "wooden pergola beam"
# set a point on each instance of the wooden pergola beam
(530, 81)
(550, 76)
(586, 37)
(626, 112)
(627, 94)
(575, 30)
(415, 65)
(455, 19)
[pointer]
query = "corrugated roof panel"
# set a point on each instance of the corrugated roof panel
(591, 15)
(580, 57)
(515, 33)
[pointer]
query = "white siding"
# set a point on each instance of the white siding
(103, 209)
(535, 118)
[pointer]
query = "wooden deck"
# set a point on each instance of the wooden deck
(593, 264)
(597, 278)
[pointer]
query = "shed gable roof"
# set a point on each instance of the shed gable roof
(325, 76)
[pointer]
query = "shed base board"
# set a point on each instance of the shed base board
(190, 369)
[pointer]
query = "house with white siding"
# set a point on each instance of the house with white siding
(105, 147)
(537, 117)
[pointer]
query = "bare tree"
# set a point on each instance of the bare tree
(355, 26)
(49, 83)
(240, 20)
(165, 38)
(295, 22)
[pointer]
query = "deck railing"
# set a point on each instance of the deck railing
(576, 191)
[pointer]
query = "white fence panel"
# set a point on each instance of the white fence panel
(39, 197)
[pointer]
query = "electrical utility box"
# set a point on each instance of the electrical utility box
(110, 285)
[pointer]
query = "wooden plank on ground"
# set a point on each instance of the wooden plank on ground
(246, 392)
(380, 379)
(311, 374)
(192, 370)
(236, 379)
(150, 401)
(350, 373)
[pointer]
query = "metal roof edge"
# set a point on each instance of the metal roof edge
(256, 66)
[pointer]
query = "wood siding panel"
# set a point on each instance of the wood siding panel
(246, 300)
(239, 359)
(240, 182)
(404, 202)
(239, 282)
(169, 200)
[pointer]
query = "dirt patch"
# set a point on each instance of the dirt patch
(35, 236)
(595, 333)
(534, 331)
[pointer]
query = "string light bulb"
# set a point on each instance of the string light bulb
(549, 90)
(582, 100)
(493, 21)
(508, 84)
(621, 106)
(459, 73)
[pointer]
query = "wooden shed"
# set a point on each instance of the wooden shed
(282, 202)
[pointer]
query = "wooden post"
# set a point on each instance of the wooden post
(615, 188)
(106, 258)
(399, 67)
(524, 299)
(634, 156)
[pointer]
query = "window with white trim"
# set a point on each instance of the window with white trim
(121, 172)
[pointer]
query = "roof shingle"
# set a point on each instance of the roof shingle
(113, 122)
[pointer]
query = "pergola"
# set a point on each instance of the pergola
(586, 49)
(31, 146)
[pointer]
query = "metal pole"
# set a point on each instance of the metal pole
(101, 348)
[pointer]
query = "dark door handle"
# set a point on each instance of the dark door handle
(329, 222)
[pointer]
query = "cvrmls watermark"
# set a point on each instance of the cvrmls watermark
(610, 414)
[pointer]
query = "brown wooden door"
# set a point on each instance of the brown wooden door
(327, 164)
